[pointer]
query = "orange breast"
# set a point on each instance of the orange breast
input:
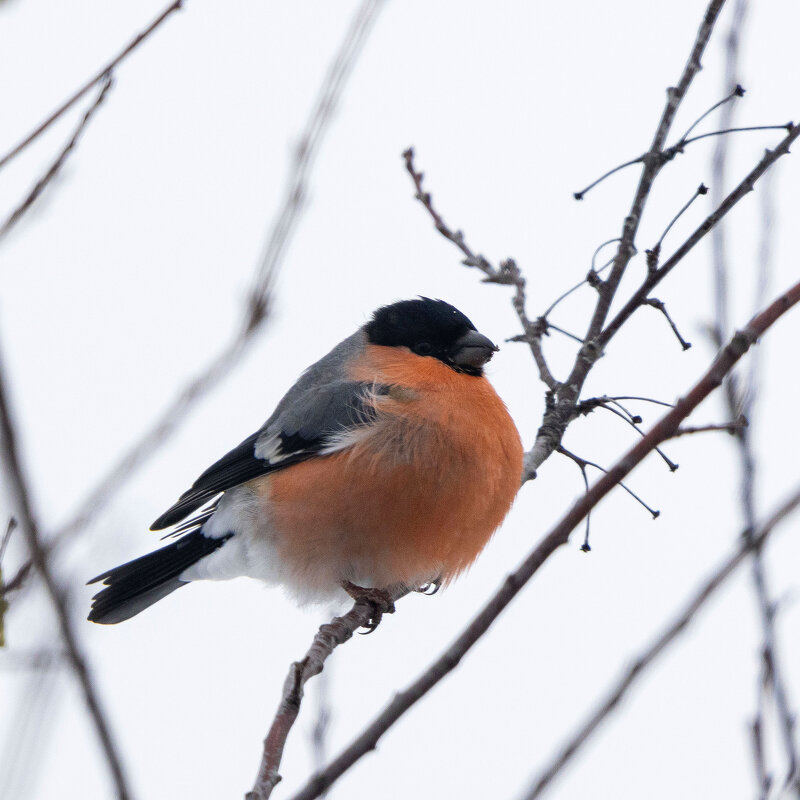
(417, 497)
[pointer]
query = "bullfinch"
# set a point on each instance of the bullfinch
(390, 462)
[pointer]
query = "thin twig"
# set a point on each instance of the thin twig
(10, 528)
(746, 186)
(580, 195)
(56, 166)
(20, 496)
(737, 91)
(561, 411)
(584, 462)
(701, 190)
(643, 399)
(96, 78)
(634, 422)
(557, 537)
(786, 126)
(508, 273)
(640, 664)
(328, 638)
(592, 276)
(732, 428)
(654, 302)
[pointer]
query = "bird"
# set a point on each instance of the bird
(389, 463)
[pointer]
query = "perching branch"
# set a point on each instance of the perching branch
(28, 524)
(328, 638)
(638, 666)
(557, 537)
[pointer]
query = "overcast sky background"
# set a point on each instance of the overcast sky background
(131, 273)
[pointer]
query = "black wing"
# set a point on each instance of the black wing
(298, 433)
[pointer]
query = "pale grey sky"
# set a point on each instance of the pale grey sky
(131, 273)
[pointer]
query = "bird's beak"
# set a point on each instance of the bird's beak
(473, 349)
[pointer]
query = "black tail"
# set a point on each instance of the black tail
(132, 587)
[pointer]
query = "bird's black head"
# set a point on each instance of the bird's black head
(431, 328)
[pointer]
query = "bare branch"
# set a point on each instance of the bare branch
(28, 525)
(736, 91)
(633, 421)
(662, 641)
(10, 528)
(55, 167)
(561, 410)
(702, 189)
(507, 273)
(590, 279)
(745, 187)
(732, 427)
(557, 537)
(96, 78)
(654, 302)
(328, 638)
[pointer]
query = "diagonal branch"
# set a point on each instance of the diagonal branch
(56, 166)
(26, 519)
(652, 165)
(96, 78)
(557, 537)
(328, 638)
(659, 645)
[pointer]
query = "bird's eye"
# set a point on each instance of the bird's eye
(423, 348)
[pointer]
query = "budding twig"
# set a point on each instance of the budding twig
(655, 303)
(506, 273)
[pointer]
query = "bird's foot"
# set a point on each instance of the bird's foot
(380, 601)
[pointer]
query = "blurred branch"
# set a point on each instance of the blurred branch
(257, 309)
(20, 498)
(328, 638)
(10, 528)
(642, 662)
(557, 537)
(55, 167)
(740, 398)
(96, 78)
(733, 427)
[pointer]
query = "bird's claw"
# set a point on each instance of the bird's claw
(380, 601)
